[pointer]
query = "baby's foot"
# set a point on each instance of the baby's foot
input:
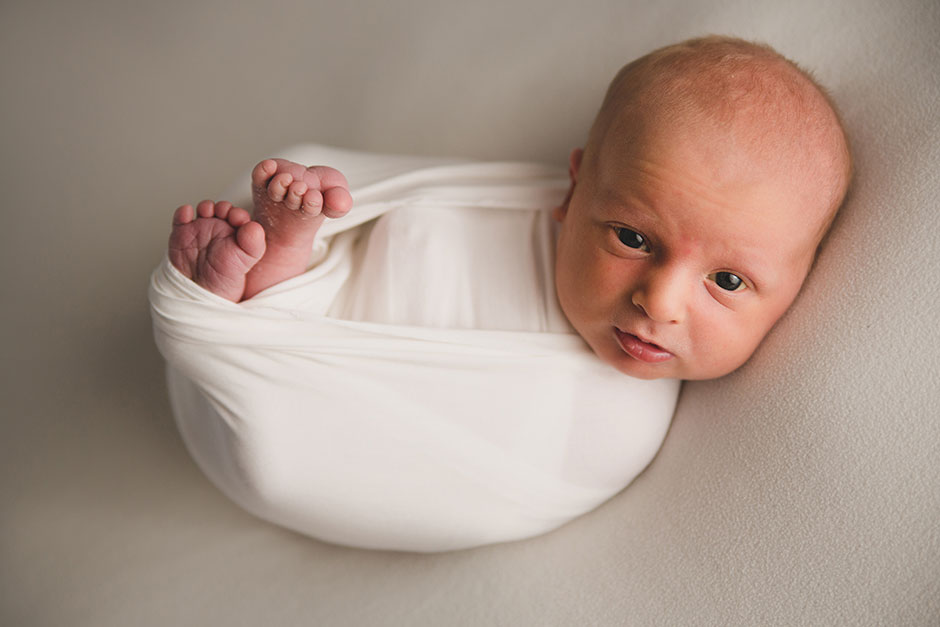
(291, 202)
(216, 245)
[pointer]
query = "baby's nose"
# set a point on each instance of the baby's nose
(663, 296)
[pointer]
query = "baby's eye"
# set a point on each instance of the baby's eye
(632, 238)
(728, 281)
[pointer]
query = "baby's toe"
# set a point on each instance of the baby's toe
(312, 202)
(263, 172)
(184, 215)
(250, 238)
(277, 188)
(205, 209)
(336, 202)
(325, 177)
(294, 196)
(222, 208)
(238, 216)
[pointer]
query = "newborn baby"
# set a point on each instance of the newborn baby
(709, 178)
(445, 367)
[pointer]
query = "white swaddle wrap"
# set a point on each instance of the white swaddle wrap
(418, 387)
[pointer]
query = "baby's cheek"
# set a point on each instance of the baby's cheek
(747, 342)
(719, 347)
(587, 281)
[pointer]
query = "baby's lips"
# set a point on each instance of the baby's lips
(642, 350)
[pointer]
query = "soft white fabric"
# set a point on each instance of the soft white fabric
(418, 388)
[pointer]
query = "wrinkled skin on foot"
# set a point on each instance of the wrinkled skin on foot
(216, 245)
(235, 255)
(291, 201)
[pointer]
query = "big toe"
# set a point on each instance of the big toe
(337, 202)
(250, 238)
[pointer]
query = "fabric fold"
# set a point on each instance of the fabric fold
(402, 436)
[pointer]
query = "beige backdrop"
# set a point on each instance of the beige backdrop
(802, 490)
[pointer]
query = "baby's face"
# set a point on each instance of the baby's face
(676, 255)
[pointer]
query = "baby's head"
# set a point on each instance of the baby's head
(711, 173)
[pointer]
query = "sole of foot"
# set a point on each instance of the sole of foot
(216, 245)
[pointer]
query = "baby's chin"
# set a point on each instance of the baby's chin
(642, 371)
(673, 373)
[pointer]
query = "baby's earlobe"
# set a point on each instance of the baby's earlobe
(574, 164)
(559, 212)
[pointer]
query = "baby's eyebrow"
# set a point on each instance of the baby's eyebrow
(621, 202)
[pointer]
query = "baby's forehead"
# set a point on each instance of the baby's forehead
(783, 123)
(691, 177)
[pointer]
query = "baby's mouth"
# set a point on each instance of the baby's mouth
(641, 350)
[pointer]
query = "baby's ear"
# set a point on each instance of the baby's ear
(574, 164)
